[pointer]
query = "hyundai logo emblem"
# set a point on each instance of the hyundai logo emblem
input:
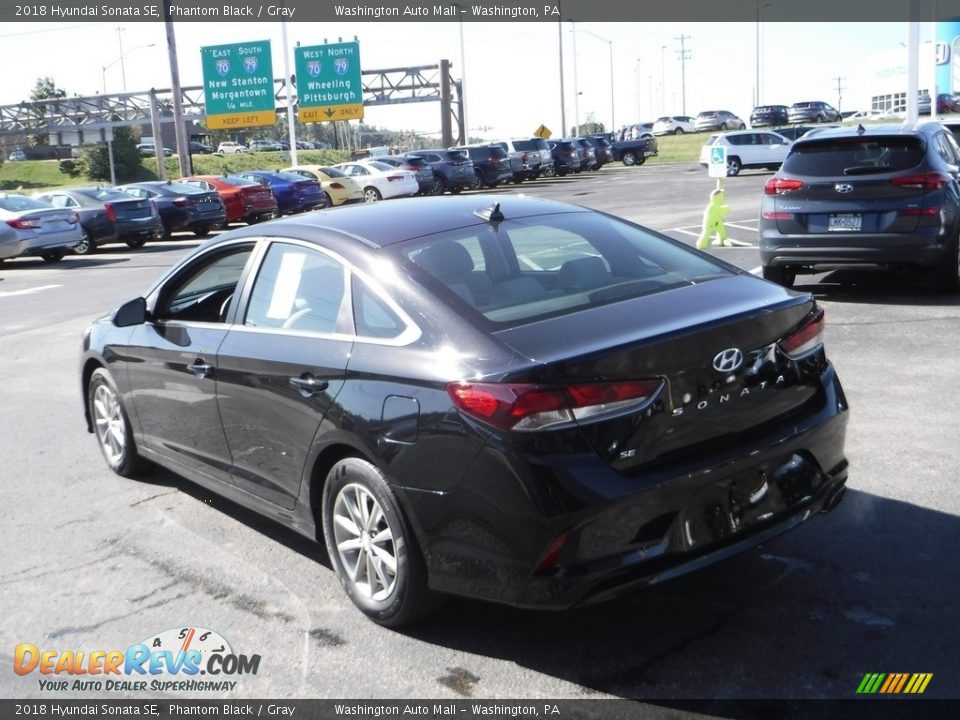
(843, 187)
(728, 360)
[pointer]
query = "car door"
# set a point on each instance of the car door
(282, 365)
(171, 361)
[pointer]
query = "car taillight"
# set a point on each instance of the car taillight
(111, 211)
(526, 406)
(780, 186)
(392, 178)
(922, 181)
(337, 186)
(777, 216)
(181, 202)
(523, 158)
(915, 212)
(24, 224)
(807, 337)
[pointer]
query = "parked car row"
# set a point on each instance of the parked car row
(137, 212)
(228, 147)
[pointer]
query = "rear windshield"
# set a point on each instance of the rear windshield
(105, 194)
(332, 172)
(542, 266)
(524, 145)
(18, 203)
(707, 114)
(802, 106)
(182, 189)
(454, 156)
(854, 156)
(382, 166)
(290, 176)
(237, 181)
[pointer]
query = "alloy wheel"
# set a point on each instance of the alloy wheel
(365, 542)
(109, 423)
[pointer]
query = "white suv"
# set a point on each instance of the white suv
(231, 147)
(748, 149)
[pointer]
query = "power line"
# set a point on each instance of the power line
(684, 55)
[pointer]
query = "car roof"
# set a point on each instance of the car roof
(886, 129)
(384, 224)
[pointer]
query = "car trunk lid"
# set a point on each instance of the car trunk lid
(713, 349)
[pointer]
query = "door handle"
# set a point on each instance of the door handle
(308, 385)
(201, 369)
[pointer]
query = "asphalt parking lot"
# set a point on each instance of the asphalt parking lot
(90, 561)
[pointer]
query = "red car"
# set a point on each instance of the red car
(244, 199)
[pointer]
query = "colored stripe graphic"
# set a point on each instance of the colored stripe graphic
(894, 683)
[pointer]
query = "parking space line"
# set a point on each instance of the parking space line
(741, 227)
(28, 291)
(733, 241)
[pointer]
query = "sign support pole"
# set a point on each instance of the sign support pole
(291, 124)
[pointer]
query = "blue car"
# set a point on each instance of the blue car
(294, 193)
(182, 206)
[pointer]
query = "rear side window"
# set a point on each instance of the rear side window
(550, 265)
(297, 289)
(854, 156)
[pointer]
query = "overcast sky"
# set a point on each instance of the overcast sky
(512, 69)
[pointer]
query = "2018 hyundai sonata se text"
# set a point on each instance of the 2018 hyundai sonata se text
(531, 403)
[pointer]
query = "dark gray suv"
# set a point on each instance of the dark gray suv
(881, 195)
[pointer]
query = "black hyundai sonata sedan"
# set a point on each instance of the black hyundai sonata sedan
(510, 399)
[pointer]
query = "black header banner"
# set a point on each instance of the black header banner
(476, 11)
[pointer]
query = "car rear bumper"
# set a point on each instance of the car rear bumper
(923, 249)
(616, 532)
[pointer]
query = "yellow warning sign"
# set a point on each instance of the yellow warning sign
(331, 112)
(543, 132)
(255, 118)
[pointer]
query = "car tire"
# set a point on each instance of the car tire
(949, 280)
(371, 194)
(678, 131)
(53, 256)
(85, 246)
(135, 243)
(437, 188)
(820, 119)
(201, 231)
(629, 159)
(733, 166)
(781, 275)
(723, 126)
(456, 190)
(742, 126)
(329, 201)
(371, 546)
(112, 426)
(477, 183)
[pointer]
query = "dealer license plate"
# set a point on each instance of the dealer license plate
(845, 222)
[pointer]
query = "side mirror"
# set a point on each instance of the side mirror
(131, 313)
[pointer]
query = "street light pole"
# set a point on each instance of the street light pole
(463, 89)
(637, 77)
(563, 105)
(610, 43)
(576, 91)
(104, 68)
(759, 10)
(663, 80)
(123, 70)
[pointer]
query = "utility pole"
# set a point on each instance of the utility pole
(840, 89)
(684, 55)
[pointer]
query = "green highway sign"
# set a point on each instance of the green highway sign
(238, 85)
(328, 82)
